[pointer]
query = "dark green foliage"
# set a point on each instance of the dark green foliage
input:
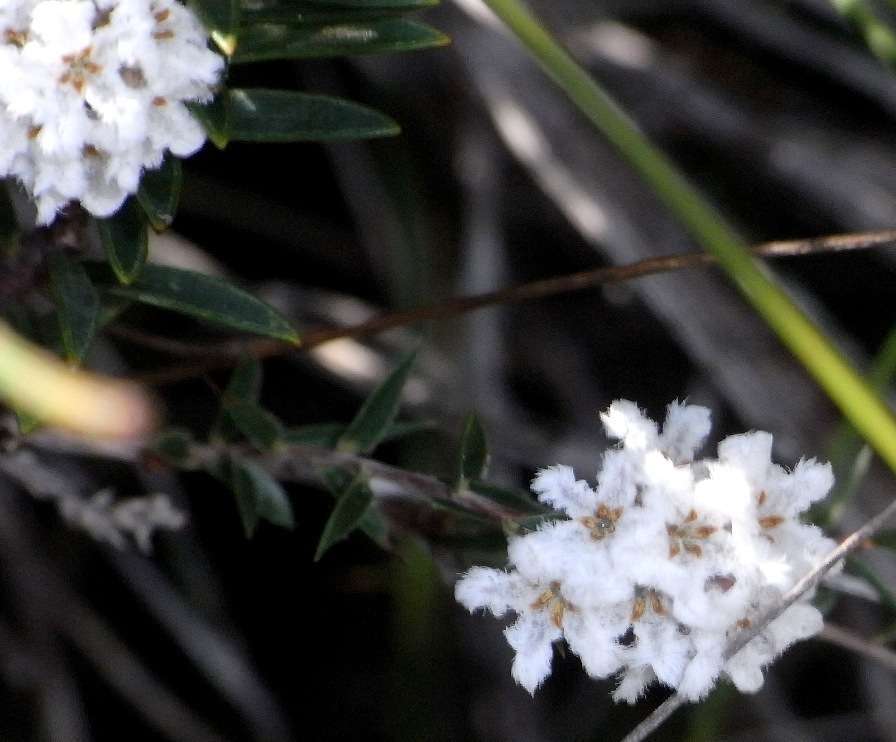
(77, 305)
(378, 412)
(472, 459)
(353, 499)
(204, 297)
(159, 193)
(125, 241)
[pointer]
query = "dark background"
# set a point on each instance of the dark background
(775, 109)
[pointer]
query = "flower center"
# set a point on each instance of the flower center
(648, 599)
(80, 67)
(160, 16)
(768, 521)
(688, 535)
(602, 523)
(552, 601)
(15, 37)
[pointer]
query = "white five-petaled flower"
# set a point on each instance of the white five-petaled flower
(663, 561)
(92, 92)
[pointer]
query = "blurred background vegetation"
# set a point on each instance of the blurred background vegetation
(776, 109)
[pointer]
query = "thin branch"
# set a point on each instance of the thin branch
(300, 463)
(223, 354)
(834, 634)
(741, 639)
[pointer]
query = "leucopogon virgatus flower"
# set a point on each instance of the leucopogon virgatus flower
(92, 92)
(660, 563)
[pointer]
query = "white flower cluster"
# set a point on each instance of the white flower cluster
(663, 561)
(94, 91)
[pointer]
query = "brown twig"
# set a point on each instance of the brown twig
(223, 355)
(742, 638)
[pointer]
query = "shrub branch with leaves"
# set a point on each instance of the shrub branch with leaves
(671, 568)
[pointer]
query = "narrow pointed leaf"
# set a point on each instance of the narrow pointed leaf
(207, 298)
(159, 193)
(173, 446)
(259, 490)
(221, 18)
(125, 241)
(245, 381)
(378, 412)
(308, 13)
(77, 305)
(283, 41)
(246, 506)
(215, 118)
(262, 429)
(245, 384)
(373, 524)
(473, 455)
(352, 503)
(262, 115)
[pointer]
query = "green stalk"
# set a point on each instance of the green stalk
(849, 454)
(856, 399)
(879, 37)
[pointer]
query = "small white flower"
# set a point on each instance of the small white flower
(663, 561)
(684, 431)
(93, 93)
(544, 615)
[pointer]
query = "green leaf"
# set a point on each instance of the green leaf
(260, 497)
(262, 115)
(308, 13)
(215, 118)
(373, 524)
(510, 499)
(160, 191)
(207, 298)
(352, 503)
(245, 381)
(173, 445)
(221, 18)
(262, 429)
(377, 413)
(124, 238)
(282, 41)
(77, 305)
(472, 460)
(886, 539)
(245, 384)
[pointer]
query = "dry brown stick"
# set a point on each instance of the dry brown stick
(742, 638)
(223, 355)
